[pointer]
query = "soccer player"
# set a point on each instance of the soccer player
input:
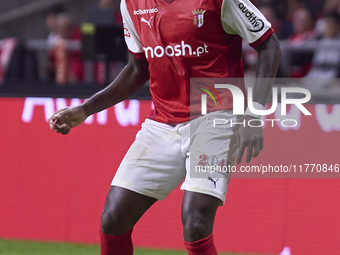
(169, 42)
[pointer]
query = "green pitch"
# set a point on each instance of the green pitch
(10, 247)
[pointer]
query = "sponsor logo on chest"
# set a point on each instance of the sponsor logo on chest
(146, 21)
(182, 49)
(145, 11)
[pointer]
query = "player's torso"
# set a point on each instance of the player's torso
(182, 40)
(185, 32)
(182, 20)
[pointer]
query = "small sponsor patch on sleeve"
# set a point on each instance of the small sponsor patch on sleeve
(243, 18)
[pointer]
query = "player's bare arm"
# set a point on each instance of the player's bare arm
(269, 57)
(131, 78)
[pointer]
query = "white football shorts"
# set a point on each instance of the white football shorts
(198, 152)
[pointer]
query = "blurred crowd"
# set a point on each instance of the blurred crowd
(65, 64)
(297, 23)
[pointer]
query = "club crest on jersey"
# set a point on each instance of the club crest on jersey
(198, 17)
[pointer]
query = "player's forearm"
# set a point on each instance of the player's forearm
(268, 62)
(128, 82)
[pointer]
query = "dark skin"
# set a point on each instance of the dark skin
(123, 208)
(269, 57)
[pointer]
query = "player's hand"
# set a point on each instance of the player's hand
(64, 119)
(250, 138)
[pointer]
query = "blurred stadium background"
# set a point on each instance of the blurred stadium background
(55, 53)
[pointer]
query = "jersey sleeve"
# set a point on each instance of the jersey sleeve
(130, 34)
(243, 18)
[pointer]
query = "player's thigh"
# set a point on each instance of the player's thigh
(123, 208)
(155, 163)
(212, 152)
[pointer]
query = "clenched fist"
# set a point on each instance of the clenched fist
(64, 119)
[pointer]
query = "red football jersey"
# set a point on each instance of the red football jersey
(189, 39)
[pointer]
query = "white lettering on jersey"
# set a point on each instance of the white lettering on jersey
(257, 23)
(145, 11)
(31, 102)
(177, 50)
(328, 121)
(146, 21)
